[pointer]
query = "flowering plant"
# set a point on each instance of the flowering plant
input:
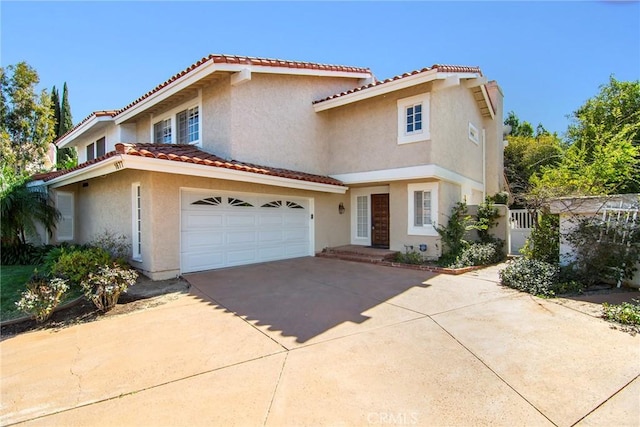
(104, 287)
(42, 297)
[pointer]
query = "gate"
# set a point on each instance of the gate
(520, 226)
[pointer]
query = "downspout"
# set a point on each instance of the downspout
(484, 165)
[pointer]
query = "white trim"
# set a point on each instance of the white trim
(385, 88)
(209, 67)
(172, 115)
(410, 172)
(424, 134)
(136, 252)
(242, 76)
(487, 101)
(121, 162)
(427, 229)
(355, 193)
(66, 216)
(82, 128)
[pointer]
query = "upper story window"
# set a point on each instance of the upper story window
(181, 126)
(474, 135)
(413, 119)
(96, 149)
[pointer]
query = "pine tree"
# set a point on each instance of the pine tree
(55, 105)
(67, 157)
(66, 122)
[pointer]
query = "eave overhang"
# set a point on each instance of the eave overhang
(392, 86)
(121, 162)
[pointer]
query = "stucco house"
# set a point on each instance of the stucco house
(238, 160)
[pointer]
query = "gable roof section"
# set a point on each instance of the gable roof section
(217, 62)
(412, 78)
(163, 158)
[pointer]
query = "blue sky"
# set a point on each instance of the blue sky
(548, 57)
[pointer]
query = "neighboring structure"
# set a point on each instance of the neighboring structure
(346, 159)
(611, 209)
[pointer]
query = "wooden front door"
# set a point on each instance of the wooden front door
(380, 220)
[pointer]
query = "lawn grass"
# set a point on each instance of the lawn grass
(13, 279)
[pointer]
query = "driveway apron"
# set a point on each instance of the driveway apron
(315, 341)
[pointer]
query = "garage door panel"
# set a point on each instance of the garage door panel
(270, 236)
(202, 239)
(235, 219)
(222, 229)
(203, 261)
(296, 219)
(241, 237)
(199, 220)
(241, 256)
(268, 219)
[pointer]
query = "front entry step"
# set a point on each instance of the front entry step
(358, 253)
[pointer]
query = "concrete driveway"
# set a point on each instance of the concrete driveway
(316, 341)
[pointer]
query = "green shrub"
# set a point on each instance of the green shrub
(543, 244)
(501, 198)
(77, 263)
(117, 245)
(625, 313)
(409, 257)
(453, 234)
(486, 218)
(480, 254)
(104, 287)
(532, 276)
(42, 297)
(22, 254)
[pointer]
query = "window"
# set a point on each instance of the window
(185, 122)
(423, 209)
(413, 119)
(96, 149)
(136, 215)
(362, 217)
(65, 227)
(473, 133)
(162, 132)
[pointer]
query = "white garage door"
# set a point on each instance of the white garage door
(225, 229)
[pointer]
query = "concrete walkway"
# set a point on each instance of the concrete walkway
(325, 342)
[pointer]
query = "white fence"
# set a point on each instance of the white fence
(521, 223)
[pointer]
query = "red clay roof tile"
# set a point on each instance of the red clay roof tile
(438, 67)
(192, 154)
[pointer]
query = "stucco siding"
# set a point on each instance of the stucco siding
(216, 118)
(363, 136)
(273, 121)
(451, 111)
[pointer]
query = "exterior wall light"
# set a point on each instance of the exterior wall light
(341, 208)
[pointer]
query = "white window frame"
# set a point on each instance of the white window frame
(474, 134)
(366, 199)
(172, 115)
(94, 149)
(66, 215)
(426, 229)
(423, 134)
(136, 221)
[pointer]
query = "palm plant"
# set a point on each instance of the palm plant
(22, 208)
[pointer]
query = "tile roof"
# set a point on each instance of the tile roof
(191, 154)
(440, 68)
(226, 59)
(101, 113)
(248, 60)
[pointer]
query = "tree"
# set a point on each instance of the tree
(603, 155)
(67, 157)
(55, 105)
(610, 117)
(21, 208)
(27, 126)
(526, 154)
